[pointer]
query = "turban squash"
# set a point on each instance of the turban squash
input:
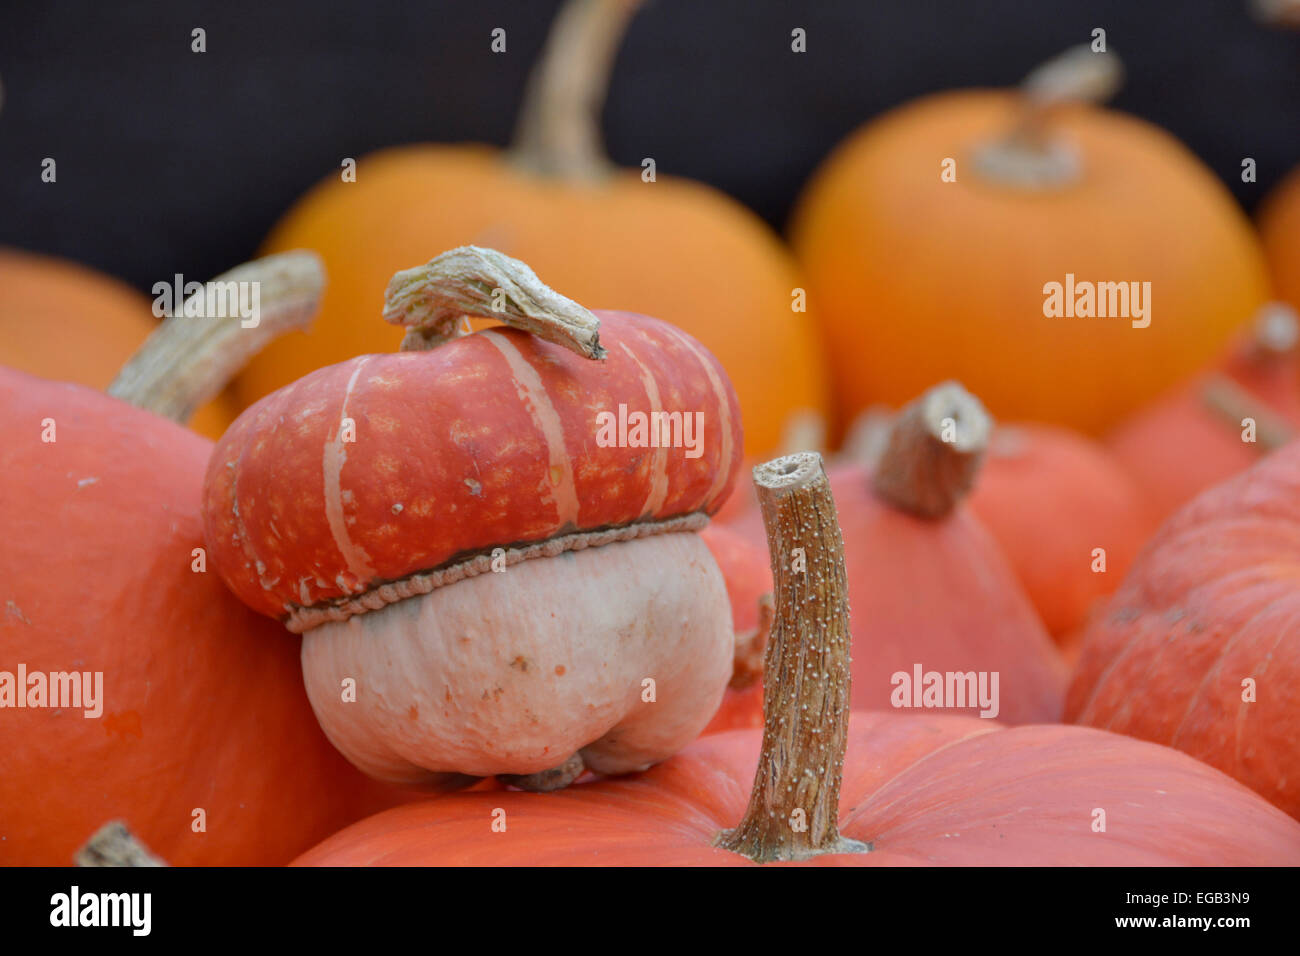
(1044, 187)
(1200, 648)
(919, 789)
(205, 742)
(554, 201)
(475, 538)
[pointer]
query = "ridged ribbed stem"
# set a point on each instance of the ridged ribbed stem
(794, 806)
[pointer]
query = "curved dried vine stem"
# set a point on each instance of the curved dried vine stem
(430, 301)
(194, 353)
(558, 132)
(794, 806)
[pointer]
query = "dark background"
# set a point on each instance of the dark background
(171, 161)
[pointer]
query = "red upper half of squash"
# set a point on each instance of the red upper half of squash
(488, 440)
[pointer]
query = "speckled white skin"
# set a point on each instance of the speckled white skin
(513, 672)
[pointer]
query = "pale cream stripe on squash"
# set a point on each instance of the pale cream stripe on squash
(532, 392)
(659, 461)
(354, 556)
(723, 471)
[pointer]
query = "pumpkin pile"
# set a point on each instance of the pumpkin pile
(499, 566)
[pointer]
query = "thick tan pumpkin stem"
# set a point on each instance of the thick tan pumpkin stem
(934, 452)
(794, 806)
(1029, 155)
(115, 845)
(205, 343)
(430, 300)
(558, 133)
(1232, 403)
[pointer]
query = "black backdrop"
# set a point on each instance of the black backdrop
(171, 161)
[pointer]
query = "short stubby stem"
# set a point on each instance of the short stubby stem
(794, 806)
(1030, 155)
(934, 452)
(114, 844)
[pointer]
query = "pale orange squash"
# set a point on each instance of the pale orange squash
(1279, 224)
(917, 279)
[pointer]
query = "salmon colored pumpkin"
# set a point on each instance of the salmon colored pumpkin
(670, 247)
(929, 586)
(1201, 433)
(63, 321)
(745, 569)
(916, 790)
(1052, 498)
(931, 236)
(1200, 648)
(200, 736)
(1279, 225)
(473, 532)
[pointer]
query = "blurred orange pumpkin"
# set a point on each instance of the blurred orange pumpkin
(930, 236)
(1193, 437)
(1279, 225)
(669, 247)
(1051, 498)
(63, 321)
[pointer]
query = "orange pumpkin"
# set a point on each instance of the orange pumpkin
(749, 587)
(196, 730)
(1200, 649)
(1051, 498)
(930, 239)
(928, 583)
(671, 248)
(919, 790)
(1279, 225)
(1195, 436)
(63, 321)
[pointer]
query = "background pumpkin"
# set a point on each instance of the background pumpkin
(1050, 496)
(1210, 605)
(203, 705)
(916, 279)
(927, 582)
(1279, 225)
(670, 248)
(919, 790)
(1192, 437)
(62, 321)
